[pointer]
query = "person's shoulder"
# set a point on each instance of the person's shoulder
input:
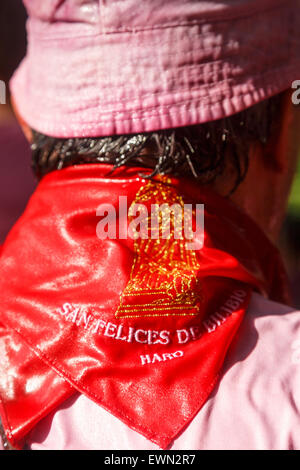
(261, 306)
(273, 319)
(257, 402)
(269, 336)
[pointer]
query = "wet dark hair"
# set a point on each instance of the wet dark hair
(199, 151)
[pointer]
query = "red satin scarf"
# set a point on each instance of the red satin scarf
(141, 327)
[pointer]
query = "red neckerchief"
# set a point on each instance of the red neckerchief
(140, 328)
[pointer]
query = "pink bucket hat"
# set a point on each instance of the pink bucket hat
(103, 67)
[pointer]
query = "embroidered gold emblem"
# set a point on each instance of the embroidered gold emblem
(163, 280)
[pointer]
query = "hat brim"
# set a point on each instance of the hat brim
(130, 82)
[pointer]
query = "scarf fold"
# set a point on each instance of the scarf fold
(141, 326)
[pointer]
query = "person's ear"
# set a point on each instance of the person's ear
(278, 149)
(24, 126)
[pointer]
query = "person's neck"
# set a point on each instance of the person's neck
(263, 195)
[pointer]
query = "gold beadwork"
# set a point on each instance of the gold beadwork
(163, 280)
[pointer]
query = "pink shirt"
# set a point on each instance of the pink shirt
(255, 406)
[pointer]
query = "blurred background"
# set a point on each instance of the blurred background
(17, 181)
(290, 239)
(16, 178)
